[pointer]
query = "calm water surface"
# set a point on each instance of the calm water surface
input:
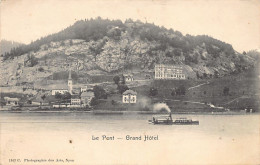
(218, 139)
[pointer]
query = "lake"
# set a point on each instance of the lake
(67, 138)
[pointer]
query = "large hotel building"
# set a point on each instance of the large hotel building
(163, 71)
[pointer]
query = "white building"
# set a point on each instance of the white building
(61, 91)
(168, 72)
(83, 89)
(86, 98)
(129, 96)
(11, 101)
(75, 101)
(128, 77)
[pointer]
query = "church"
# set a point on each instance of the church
(64, 88)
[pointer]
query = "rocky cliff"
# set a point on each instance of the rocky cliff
(103, 47)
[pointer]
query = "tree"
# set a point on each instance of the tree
(122, 88)
(93, 102)
(116, 79)
(43, 97)
(62, 43)
(177, 52)
(173, 93)
(99, 92)
(71, 42)
(113, 102)
(205, 75)
(123, 80)
(58, 95)
(153, 91)
(32, 60)
(181, 90)
(216, 74)
(226, 91)
(66, 96)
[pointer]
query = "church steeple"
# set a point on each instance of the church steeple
(69, 75)
(70, 85)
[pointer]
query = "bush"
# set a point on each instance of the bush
(93, 102)
(153, 91)
(41, 69)
(113, 102)
(99, 92)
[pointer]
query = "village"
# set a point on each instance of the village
(60, 95)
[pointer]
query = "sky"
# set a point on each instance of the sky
(233, 21)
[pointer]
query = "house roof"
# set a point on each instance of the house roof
(75, 97)
(129, 92)
(127, 75)
(11, 99)
(87, 94)
(57, 87)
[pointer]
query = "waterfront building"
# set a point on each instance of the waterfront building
(163, 71)
(11, 101)
(75, 101)
(60, 90)
(129, 96)
(86, 98)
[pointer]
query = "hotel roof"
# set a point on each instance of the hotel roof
(129, 92)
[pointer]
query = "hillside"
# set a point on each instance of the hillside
(104, 47)
(7, 46)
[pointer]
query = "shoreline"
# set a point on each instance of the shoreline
(125, 112)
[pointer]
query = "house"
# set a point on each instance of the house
(75, 101)
(86, 98)
(60, 90)
(128, 77)
(168, 72)
(11, 101)
(83, 89)
(129, 96)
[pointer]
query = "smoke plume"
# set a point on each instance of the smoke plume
(161, 107)
(144, 103)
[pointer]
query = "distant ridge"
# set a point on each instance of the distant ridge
(6, 46)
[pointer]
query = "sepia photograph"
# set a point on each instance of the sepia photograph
(127, 82)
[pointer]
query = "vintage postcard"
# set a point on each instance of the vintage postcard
(115, 82)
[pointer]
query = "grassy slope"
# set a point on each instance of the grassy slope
(243, 91)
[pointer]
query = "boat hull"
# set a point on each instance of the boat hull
(189, 123)
(173, 123)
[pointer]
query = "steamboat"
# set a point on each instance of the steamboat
(167, 120)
